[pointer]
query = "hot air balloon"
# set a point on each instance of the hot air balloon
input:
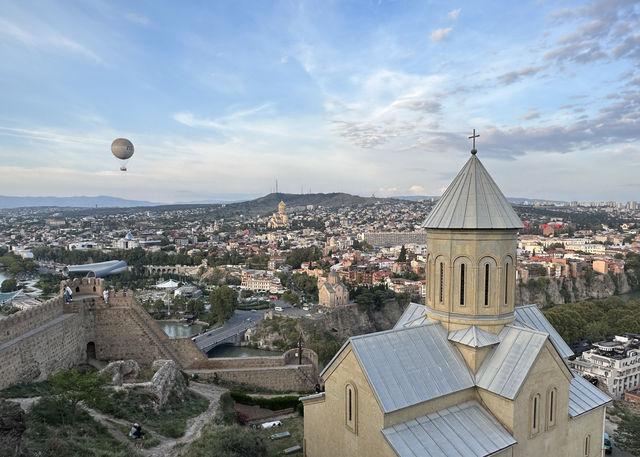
(123, 150)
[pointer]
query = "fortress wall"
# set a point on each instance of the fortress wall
(21, 322)
(189, 353)
(120, 335)
(294, 378)
(33, 356)
(235, 363)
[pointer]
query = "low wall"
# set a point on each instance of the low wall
(33, 356)
(289, 378)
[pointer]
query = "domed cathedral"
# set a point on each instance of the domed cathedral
(467, 374)
(472, 235)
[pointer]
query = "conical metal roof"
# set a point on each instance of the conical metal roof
(473, 201)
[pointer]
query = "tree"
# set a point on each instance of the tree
(403, 255)
(290, 297)
(627, 435)
(223, 301)
(9, 285)
(73, 387)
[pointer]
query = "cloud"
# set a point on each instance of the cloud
(416, 189)
(453, 14)
(46, 40)
(416, 104)
(224, 123)
(513, 76)
(284, 59)
(531, 114)
(440, 34)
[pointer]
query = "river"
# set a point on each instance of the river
(178, 330)
(227, 350)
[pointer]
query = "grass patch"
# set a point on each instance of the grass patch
(137, 405)
(236, 441)
(33, 389)
(54, 428)
(293, 425)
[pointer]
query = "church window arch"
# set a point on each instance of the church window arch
(587, 445)
(461, 275)
(351, 407)
(441, 281)
(552, 407)
(486, 279)
(534, 414)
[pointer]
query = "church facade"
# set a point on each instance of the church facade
(467, 374)
(279, 219)
(332, 292)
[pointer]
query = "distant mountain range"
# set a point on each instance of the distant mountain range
(415, 198)
(101, 201)
(241, 206)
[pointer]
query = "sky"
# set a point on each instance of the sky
(223, 98)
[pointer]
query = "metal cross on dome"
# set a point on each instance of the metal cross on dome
(473, 137)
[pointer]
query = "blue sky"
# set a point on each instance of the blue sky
(223, 98)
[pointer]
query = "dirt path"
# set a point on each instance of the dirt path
(169, 447)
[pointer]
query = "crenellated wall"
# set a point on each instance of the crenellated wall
(38, 342)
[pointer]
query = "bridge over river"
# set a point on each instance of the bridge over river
(230, 333)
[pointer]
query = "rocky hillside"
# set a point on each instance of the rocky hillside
(554, 291)
(325, 333)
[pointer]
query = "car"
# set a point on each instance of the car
(306, 308)
(607, 444)
(278, 308)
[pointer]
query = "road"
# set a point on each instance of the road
(241, 320)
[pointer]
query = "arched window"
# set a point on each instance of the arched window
(587, 445)
(506, 283)
(535, 414)
(351, 408)
(441, 282)
(486, 284)
(462, 285)
(552, 407)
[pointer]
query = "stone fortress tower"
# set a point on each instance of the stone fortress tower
(471, 251)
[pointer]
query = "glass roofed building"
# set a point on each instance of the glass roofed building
(468, 373)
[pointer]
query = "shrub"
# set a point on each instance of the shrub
(274, 404)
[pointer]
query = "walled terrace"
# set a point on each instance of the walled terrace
(40, 341)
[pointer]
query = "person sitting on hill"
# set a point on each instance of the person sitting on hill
(137, 434)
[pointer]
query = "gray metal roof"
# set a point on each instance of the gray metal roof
(506, 368)
(474, 337)
(414, 314)
(98, 270)
(465, 430)
(411, 365)
(530, 316)
(473, 201)
(584, 396)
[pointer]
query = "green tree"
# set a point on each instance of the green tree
(403, 254)
(73, 387)
(223, 301)
(627, 435)
(9, 285)
(290, 297)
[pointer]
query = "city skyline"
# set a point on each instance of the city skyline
(360, 97)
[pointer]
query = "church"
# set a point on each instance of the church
(332, 292)
(468, 373)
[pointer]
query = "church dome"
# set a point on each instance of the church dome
(473, 201)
